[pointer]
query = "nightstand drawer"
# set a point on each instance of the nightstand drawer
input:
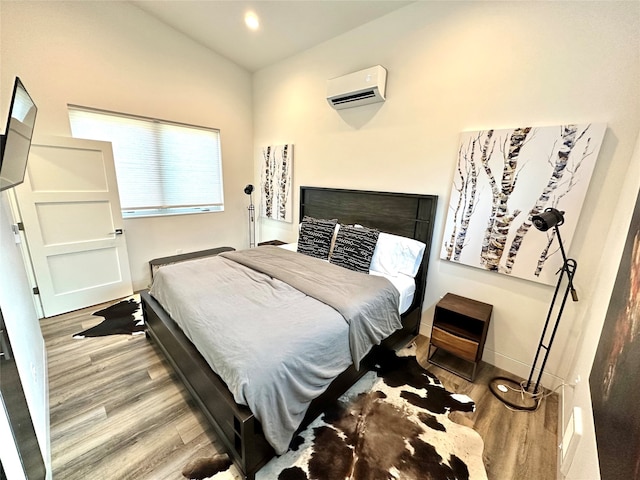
(459, 346)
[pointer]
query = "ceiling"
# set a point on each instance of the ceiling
(286, 26)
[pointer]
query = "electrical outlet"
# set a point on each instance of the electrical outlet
(178, 251)
(570, 440)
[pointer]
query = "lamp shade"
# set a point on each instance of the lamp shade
(548, 219)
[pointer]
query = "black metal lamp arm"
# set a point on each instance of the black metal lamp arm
(251, 209)
(569, 266)
(550, 218)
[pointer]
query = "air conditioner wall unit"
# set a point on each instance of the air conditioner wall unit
(359, 88)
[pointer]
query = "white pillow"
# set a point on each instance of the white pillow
(395, 254)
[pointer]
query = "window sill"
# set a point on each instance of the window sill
(167, 212)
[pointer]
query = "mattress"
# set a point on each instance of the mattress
(275, 347)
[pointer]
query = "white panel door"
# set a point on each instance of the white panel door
(73, 224)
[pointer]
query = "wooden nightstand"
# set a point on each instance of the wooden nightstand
(459, 329)
(272, 242)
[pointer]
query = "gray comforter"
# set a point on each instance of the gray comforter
(277, 326)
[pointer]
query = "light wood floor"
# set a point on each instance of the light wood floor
(118, 412)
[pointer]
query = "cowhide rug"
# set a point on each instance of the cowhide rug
(392, 424)
(124, 317)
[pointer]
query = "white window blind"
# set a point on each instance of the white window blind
(163, 168)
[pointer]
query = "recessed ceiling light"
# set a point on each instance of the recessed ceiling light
(251, 20)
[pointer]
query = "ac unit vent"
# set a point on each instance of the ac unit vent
(358, 88)
(355, 96)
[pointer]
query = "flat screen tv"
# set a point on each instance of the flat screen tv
(16, 142)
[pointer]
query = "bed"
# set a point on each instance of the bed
(407, 215)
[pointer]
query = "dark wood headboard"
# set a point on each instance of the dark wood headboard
(406, 214)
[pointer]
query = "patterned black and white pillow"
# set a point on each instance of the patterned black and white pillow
(354, 248)
(315, 237)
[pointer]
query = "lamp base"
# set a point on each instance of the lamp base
(512, 393)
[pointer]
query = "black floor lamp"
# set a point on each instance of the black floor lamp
(518, 395)
(252, 217)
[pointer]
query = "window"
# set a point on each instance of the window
(163, 168)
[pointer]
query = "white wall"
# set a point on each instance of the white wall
(456, 66)
(113, 56)
(585, 460)
(453, 66)
(27, 343)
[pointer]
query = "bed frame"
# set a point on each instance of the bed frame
(408, 215)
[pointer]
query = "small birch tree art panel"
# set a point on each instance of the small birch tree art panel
(277, 168)
(505, 177)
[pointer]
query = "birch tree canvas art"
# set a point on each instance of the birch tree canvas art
(277, 168)
(505, 177)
